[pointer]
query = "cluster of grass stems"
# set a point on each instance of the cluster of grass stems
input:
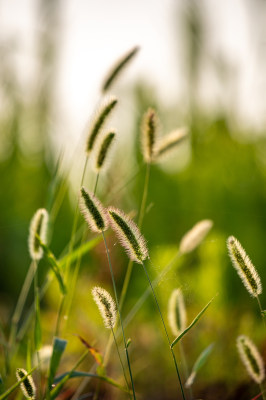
(65, 269)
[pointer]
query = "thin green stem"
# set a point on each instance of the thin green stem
(166, 333)
(185, 366)
(140, 221)
(119, 313)
(37, 308)
(259, 303)
(20, 304)
(121, 362)
(96, 183)
(70, 249)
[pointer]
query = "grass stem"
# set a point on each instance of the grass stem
(166, 333)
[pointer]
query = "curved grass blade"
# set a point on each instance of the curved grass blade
(54, 265)
(59, 346)
(195, 320)
(54, 392)
(80, 251)
(198, 364)
(80, 374)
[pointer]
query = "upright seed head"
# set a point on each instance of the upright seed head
(244, 267)
(118, 67)
(177, 316)
(38, 226)
(149, 130)
(251, 358)
(129, 235)
(106, 306)
(93, 211)
(99, 120)
(195, 236)
(103, 150)
(27, 386)
(169, 142)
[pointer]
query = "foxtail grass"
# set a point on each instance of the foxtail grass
(118, 67)
(27, 385)
(245, 269)
(134, 243)
(252, 360)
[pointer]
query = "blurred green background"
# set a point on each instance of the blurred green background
(219, 174)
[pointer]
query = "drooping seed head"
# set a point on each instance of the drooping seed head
(118, 67)
(177, 316)
(195, 236)
(38, 226)
(166, 144)
(27, 386)
(149, 131)
(251, 358)
(244, 267)
(129, 235)
(93, 211)
(103, 149)
(99, 120)
(106, 306)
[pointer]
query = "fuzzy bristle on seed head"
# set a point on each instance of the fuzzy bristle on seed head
(38, 226)
(244, 267)
(251, 358)
(99, 120)
(177, 316)
(27, 386)
(129, 235)
(103, 149)
(149, 131)
(106, 306)
(93, 211)
(195, 236)
(167, 143)
(118, 67)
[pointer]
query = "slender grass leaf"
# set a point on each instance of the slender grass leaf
(95, 353)
(54, 393)
(6, 394)
(195, 320)
(54, 265)
(37, 326)
(80, 251)
(59, 346)
(198, 364)
(80, 374)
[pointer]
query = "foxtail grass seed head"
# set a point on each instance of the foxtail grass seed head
(103, 150)
(93, 211)
(106, 306)
(244, 267)
(177, 316)
(38, 226)
(251, 358)
(149, 131)
(118, 67)
(27, 386)
(195, 236)
(167, 143)
(99, 120)
(129, 235)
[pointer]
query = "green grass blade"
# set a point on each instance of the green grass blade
(80, 374)
(6, 394)
(195, 320)
(54, 265)
(80, 251)
(54, 393)
(59, 346)
(202, 358)
(37, 326)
